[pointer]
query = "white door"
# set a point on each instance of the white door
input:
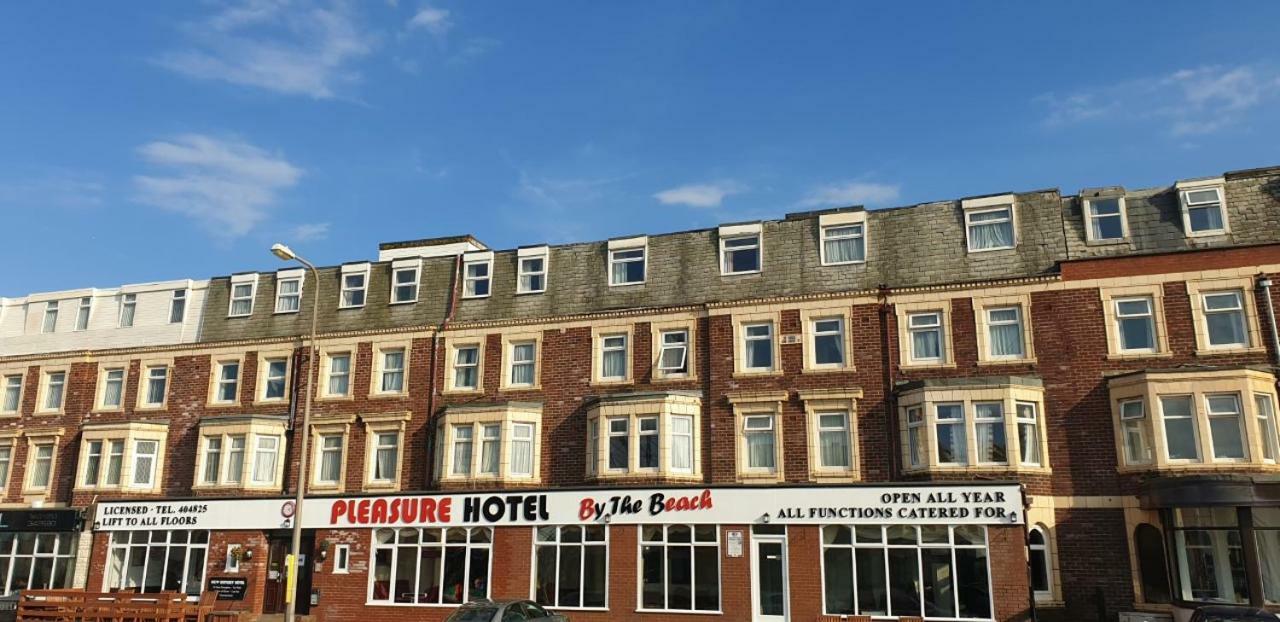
(769, 573)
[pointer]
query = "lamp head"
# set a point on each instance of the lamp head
(283, 252)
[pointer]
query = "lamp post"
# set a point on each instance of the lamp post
(291, 601)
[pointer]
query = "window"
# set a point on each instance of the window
(463, 442)
(1135, 324)
(55, 383)
(1180, 427)
(1265, 411)
(115, 463)
(265, 456)
(934, 571)
(157, 379)
(1028, 433)
(339, 383)
(522, 449)
(354, 286)
(476, 278)
(41, 465)
(952, 444)
(490, 448)
(386, 454)
(833, 440)
(989, 428)
(682, 443)
(235, 460)
(494, 444)
(329, 464)
(619, 443)
(523, 363)
(842, 244)
(1210, 555)
(289, 295)
(1041, 565)
(145, 453)
(1106, 219)
(1004, 333)
(92, 463)
(466, 367)
(178, 306)
(673, 355)
(6, 465)
(627, 266)
(1224, 319)
(1225, 423)
(227, 382)
(50, 322)
(157, 561)
(1148, 544)
(740, 254)
(430, 565)
(38, 561)
(758, 430)
(86, 305)
(242, 297)
(915, 436)
(613, 357)
(404, 284)
(533, 272)
(232, 563)
(757, 346)
(653, 433)
(1133, 424)
(680, 567)
(213, 459)
(1202, 212)
(392, 371)
(990, 229)
(128, 307)
(112, 389)
(571, 564)
(12, 394)
(341, 558)
(648, 442)
(828, 342)
(926, 336)
(274, 381)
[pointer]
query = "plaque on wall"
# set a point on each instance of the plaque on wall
(229, 588)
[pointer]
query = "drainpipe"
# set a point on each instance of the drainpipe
(435, 348)
(1264, 286)
(890, 402)
(1026, 541)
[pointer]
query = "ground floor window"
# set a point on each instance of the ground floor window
(1210, 553)
(571, 566)
(430, 566)
(937, 571)
(1266, 530)
(158, 561)
(35, 561)
(680, 567)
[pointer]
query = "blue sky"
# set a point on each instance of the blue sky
(148, 141)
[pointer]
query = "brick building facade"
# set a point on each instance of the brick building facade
(995, 408)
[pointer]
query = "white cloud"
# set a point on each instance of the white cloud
(60, 189)
(699, 195)
(1201, 100)
(227, 185)
(277, 45)
(310, 231)
(844, 194)
(433, 20)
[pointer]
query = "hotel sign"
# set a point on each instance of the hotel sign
(994, 504)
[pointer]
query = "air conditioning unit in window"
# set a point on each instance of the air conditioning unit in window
(1144, 616)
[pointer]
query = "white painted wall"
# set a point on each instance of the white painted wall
(22, 318)
(434, 250)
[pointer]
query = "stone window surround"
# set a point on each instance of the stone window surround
(1042, 513)
(690, 326)
(598, 333)
(375, 375)
(260, 385)
(451, 345)
(506, 415)
(825, 401)
(980, 321)
(991, 203)
(844, 219)
(380, 423)
(663, 405)
(774, 317)
(807, 317)
(904, 311)
(216, 361)
(100, 384)
(508, 341)
(1195, 293)
(251, 427)
(144, 367)
(751, 403)
(1006, 391)
(330, 425)
(43, 388)
(35, 437)
(326, 351)
(14, 370)
(9, 438)
(1217, 183)
(1149, 386)
(130, 433)
(1109, 295)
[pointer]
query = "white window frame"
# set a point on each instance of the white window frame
(683, 369)
(321, 450)
(290, 276)
(133, 464)
(988, 205)
(726, 252)
(530, 254)
(380, 378)
(509, 372)
(106, 381)
(178, 306)
(258, 448)
(1186, 188)
(1240, 309)
(267, 362)
(841, 338)
(144, 391)
(84, 310)
(7, 380)
(1046, 550)
(49, 321)
(237, 280)
(1090, 217)
(1241, 424)
(606, 349)
(1131, 421)
(129, 303)
(47, 383)
(377, 445)
(469, 287)
(825, 234)
(1022, 332)
(218, 381)
(1194, 417)
(454, 366)
(771, 429)
(330, 375)
(747, 338)
(1151, 318)
(351, 270)
(627, 245)
(937, 327)
(1001, 424)
(402, 266)
(341, 559)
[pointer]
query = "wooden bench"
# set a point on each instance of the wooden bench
(82, 606)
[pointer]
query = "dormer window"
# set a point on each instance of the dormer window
(243, 287)
(404, 281)
(1203, 207)
(86, 305)
(532, 269)
(178, 306)
(1106, 219)
(477, 270)
(289, 291)
(50, 322)
(627, 261)
(355, 284)
(740, 249)
(990, 223)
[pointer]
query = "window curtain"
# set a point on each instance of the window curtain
(489, 455)
(331, 463)
(264, 465)
(44, 460)
(386, 463)
(994, 235)
(522, 373)
(1006, 340)
(926, 344)
(991, 446)
(760, 450)
(111, 396)
(1030, 443)
(126, 316)
(848, 249)
(393, 380)
(619, 272)
(835, 448)
(681, 443)
(155, 391)
(115, 459)
(1226, 327)
(615, 364)
(1269, 559)
(462, 451)
(522, 457)
(339, 375)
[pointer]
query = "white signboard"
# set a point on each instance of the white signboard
(993, 504)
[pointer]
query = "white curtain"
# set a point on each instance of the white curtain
(1226, 328)
(386, 463)
(925, 344)
(522, 457)
(489, 455)
(111, 396)
(44, 460)
(1029, 438)
(462, 451)
(522, 373)
(619, 272)
(235, 460)
(126, 315)
(1269, 559)
(682, 443)
(615, 364)
(339, 375)
(835, 448)
(155, 390)
(848, 249)
(115, 459)
(1006, 340)
(331, 461)
(990, 441)
(264, 464)
(994, 235)
(760, 450)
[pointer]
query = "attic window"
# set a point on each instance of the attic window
(477, 271)
(990, 223)
(355, 284)
(532, 270)
(1203, 207)
(740, 249)
(1106, 219)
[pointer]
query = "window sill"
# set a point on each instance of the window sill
(475, 391)
(531, 293)
(389, 396)
(980, 469)
(381, 486)
(997, 362)
(151, 408)
(237, 486)
(826, 477)
(832, 264)
(1109, 242)
(1134, 356)
(911, 366)
(47, 413)
(1050, 603)
(760, 477)
(326, 487)
(1196, 468)
(769, 373)
(235, 404)
(829, 370)
(612, 383)
(972, 251)
(491, 479)
(626, 284)
(336, 398)
(10, 415)
(402, 302)
(646, 475)
(271, 402)
(103, 411)
(683, 611)
(1227, 351)
(673, 378)
(530, 387)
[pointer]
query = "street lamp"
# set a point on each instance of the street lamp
(291, 602)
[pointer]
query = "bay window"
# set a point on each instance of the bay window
(995, 423)
(1225, 425)
(650, 434)
(1133, 423)
(266, 454)
(989, 427)
(241, 452)
(679, 568)
(430, 565)
(1028, 432)
(491, 442)
(951, 443)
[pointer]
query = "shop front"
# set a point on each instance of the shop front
(939, 551)
(37, 548)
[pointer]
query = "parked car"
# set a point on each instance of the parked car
(504, 611)
(1232, 613)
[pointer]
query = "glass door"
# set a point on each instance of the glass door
(769, 573)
